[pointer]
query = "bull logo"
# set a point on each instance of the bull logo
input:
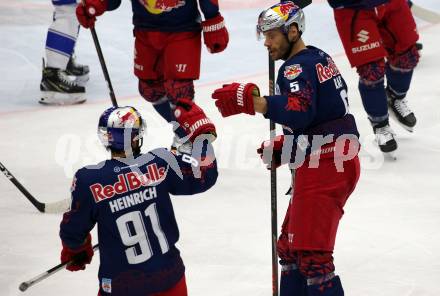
(160, 6)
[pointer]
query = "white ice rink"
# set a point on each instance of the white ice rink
(389, 238)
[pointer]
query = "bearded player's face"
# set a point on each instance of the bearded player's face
(276, 43)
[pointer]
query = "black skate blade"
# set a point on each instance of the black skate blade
(45, 103)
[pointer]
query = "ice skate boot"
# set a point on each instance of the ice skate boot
(385, 137)
(399, 110)
(57, 88)
(81, 72)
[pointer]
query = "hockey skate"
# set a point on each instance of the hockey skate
(57, 88)
(81, 72)
(385, 138)
(399, 110)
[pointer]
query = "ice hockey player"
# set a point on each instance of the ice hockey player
(311, 104)
(63, 79)
(167, 50)
(128, 197)
(379, 38)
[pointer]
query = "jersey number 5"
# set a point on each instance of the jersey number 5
(133, 232)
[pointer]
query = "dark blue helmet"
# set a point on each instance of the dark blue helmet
(119, 126)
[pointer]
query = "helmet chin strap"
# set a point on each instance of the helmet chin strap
(291, 45)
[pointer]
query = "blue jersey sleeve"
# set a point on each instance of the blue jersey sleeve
(189, 173)
(356, 4)
(209, 8)
(79, 221)
(113, 4)
(294, 105)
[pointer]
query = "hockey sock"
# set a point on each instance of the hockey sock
(398, 81)
(61, 36)
(374, 100)
(332, 287)
(292, 282)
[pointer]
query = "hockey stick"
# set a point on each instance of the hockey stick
(273, 190)
(55, 207)
(27, 284)
(273, 176)
(425, 14)
(103, 66)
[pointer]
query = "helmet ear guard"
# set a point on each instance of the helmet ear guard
(281, 15)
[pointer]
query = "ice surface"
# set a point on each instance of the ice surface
(388, 236)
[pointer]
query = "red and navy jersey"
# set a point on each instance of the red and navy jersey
(356, 4)
(137, 229)
(169, 15)
(311, 98)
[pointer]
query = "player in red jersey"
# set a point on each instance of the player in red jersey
(379, 38)
(167, 50)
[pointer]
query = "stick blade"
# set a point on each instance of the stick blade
(23, 286)
(57, 207)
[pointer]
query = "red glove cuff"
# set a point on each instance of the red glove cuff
(213, 24)
(215, 34)
(236, 98)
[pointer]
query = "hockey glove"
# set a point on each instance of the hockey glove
(193, 120)
(87, 12)
(236, 98)
(272, 150)
(215, 34)
(79, 257)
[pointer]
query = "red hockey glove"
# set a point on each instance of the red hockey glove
(192, 119)
(87, 12)
(272, 150)
(80, 257)
(236, 98)
(215, 34)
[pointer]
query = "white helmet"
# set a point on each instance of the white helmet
(281, 15)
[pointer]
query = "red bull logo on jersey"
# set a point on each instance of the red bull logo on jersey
(160, 6)
(292, 71)
(327, 72)
(128, 182)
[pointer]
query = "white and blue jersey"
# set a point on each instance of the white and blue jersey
(311, 98)
(137, 230)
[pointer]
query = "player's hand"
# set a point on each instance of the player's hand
(236, 98)
(272, 150)
(80, 257)
(215, 34)
(193, 120)
(87, 12)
